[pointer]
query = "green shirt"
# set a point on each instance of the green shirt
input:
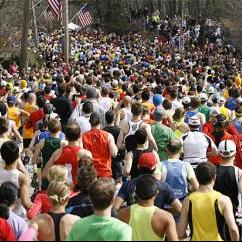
(162, 135)
(206, 111)
(95, 228)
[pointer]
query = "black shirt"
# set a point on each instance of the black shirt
(80, 205)
(63, 108)
(114, 131)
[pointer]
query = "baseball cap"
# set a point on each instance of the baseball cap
(211, 90)
(214, 112)
(186, 100)
(147, 160)
(159, 114)
(157, 100)
(203, 97)
(227, 148)
(11, 99)
(194, 121)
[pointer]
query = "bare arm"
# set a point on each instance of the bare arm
(194, 184)
(128, 164)
(182, 226)
(170, 230)
(120, 143)
(151, 137)
(24, 191)
(176, 206)
(227, 210)
(37, 152)
(118, 203)
(16, 133)
(112, 146)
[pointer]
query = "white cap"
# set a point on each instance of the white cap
(4, 83)
(115, 82)
(203, 97)
(186, 100)
(211, 90)
(214, 111)
(221, 100)
(194, 121)
(227, 148)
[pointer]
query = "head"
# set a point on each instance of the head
(86, 174)
(104, 92)
(167, 105)
(101, 192)
(61, 90)
(195, 102)
(87, 108)
(95, 119)
(54, 126)
(174, 148)
(238, 111)
(8, 197)
(109, 117)
(10, 152)
(220, 123)
(4, 125)
(11, 100)
(91, 93)
(3, 109)
(127, 101)
(227, 150)
(31, 98)
(141, 136)
(145, 95)
(147, 163)
(159, 114)
(137, 109)
(41, 101)
(194, 123)
(179, 114)
(157, 100)
(146, 187)
(57, 173)
(206, 174)
(58, 193)
(73, 132)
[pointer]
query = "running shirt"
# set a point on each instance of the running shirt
(202, 216)
(14, 114)
(96, 141)
(69, 158)
(140, 222)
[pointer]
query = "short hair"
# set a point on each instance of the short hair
(179, 113)
(137, 109)
(174, 146)
(195, 102)
(54, 126)
(73, 132)
(87, 107)
(61, 90)
(47, 89)
(95, 119)
(41, 101)
(205, 173)
(174, 93)
(146, 187)
(105, 91)
(101, 192)
(4, 125)
(145, 95)
(86, 174)
(136, 88)
(141, 136)
(109, 116)
(167, 105)
(10, 152)
(8, 193)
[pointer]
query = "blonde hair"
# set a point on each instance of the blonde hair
(58, 192)
(57, 173)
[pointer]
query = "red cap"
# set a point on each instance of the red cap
(147, 160)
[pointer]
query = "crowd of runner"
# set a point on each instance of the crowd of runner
(135, 139)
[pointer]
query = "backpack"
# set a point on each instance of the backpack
(175, 178)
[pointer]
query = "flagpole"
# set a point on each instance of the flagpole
(34, 5)
(79, 12)
(66, 30)
(35, 25)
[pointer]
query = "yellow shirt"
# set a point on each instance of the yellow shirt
(14, 114)
(28, 133)
(204, 216)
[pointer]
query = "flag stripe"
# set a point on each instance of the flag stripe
(56, 6)
(85, 18)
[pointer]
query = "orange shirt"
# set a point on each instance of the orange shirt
(96, 141)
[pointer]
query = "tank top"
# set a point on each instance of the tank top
(28, 133)
(202, 216)
(50, 146)
(96, 141)
(14, 114)
(69, 158)
(227, 183)
(140, 221)
(9, 176)
(56, 217)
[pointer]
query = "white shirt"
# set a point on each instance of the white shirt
(195, 146)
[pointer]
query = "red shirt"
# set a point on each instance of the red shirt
(208, 128)
(34, 118)
(96, 141)
(6, 233)
(69, 156)
(41, 204)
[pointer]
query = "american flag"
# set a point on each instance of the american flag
(85, 17)
(48, 15)
(56, 7)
